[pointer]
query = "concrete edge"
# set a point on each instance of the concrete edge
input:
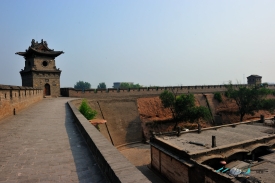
(112, 163)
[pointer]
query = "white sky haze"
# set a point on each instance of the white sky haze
(157, 42)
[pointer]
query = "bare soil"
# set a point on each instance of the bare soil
(133, 153)
(155, 117)
(227, 110)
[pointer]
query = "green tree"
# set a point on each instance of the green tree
(86, 110)
(129, 85)
(218, 96)
(101, 86)
(183, 107)
(250, 99)
(264, 85)
(81, 85)
(269, 105)
(168, 100)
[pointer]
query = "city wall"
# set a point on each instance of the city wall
(15, 98)
(112, 163)
(137, 92)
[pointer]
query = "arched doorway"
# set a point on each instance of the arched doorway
(260, 151)
(214, 163)
(47, 89)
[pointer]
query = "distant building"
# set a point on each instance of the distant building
(40, 70)
(117, 84)
(254, 80)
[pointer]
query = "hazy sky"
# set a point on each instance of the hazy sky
(150, 42)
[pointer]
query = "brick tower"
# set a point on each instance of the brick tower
(40, 70)
(254, 79)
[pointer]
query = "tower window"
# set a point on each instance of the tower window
(45, 63)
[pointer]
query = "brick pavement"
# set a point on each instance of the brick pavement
(41, 144)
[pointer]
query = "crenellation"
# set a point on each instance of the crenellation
(17, 97)
(71, 92)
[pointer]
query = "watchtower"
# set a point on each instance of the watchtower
(40, 70)
(254, 80)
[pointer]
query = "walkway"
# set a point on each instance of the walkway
(41, 144)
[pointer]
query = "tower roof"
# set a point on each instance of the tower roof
(40, 49)
(255, 76)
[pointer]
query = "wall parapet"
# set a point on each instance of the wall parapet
(71, 92)
(16, 98)
(112, 163)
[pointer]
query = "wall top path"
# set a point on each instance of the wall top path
(42, 144)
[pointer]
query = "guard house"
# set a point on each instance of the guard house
(40, 70)
(254, 80)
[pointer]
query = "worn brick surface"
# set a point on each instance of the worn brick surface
(41, 144)
(17, 98)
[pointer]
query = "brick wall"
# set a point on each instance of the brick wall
(51, 78)
(172, 169)
(111, 92)
(16, 98)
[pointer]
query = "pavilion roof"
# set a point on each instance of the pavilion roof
(40, 49)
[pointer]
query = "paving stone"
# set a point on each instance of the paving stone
(42, 144)
(9, 181)
(3, 177)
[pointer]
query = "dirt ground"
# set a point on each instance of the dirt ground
(133, 154)
(151, 109)
(156, 118)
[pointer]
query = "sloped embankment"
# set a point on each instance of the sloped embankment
(151, 109)
(128, 119)
(156, 118)
(123, 122)
(225, 111)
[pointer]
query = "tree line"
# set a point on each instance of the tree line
(81, 85)
(249, 99)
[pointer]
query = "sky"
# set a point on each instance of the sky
(153, 43)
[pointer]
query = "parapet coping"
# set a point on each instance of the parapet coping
(11, 87)
(116, 162)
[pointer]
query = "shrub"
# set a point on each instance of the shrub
(183, 107)
(227, 94)
(218, 96)
(86, 110)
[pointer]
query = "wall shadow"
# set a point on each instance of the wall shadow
(87, 168)
(134, 131)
